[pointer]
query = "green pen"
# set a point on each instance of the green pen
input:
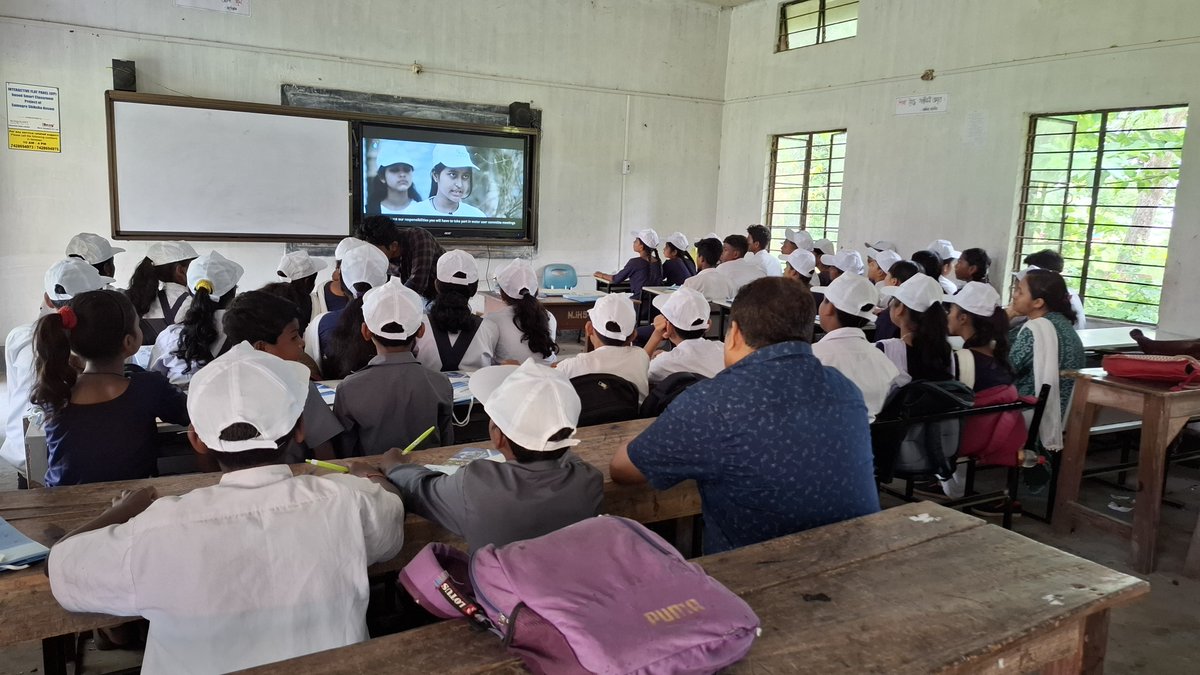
(413, 446)
(328, 465)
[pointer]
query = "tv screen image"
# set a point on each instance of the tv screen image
(455, 184)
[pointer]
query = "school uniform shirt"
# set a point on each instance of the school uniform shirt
(1077, 305)
(113, 440)
(173, 292)
(426, 208)
(713, 284)
(772, 266)
(989, 372)
(768, 457)
(640, 273)
(416, 399)
(480, 353)
(742, 271)
(498, 503)
(511, 343)
(885, 328)
(676, 271)
(320, 425)
(179, 371)
(700, 356)
(948, 285)
(630, 363)
(324, 300)
(18, 360)
(325, 325)
(848, 350)
(262, 567)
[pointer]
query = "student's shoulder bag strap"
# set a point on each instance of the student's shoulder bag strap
(169, 309)
(966, 367)
(451, 355)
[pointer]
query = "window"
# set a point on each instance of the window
(813, 22)
(805, 190)
(1100, 189)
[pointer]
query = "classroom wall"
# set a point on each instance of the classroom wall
(616, 79)
(957, 174)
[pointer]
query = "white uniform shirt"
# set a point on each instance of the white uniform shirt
(480, 353)
(173, 291)
(712, 283)
(163, 359)
(511, 344)
(18, 359)
(772, 266)
(700, 356)
(947, 285)
(742, 271)
(848, 350)
(630, 363)
(1077, 305)
(262, 567)
(425, 208)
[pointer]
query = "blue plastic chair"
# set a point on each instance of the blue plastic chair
(559, 276)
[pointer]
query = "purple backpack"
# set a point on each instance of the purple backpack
(604, 595)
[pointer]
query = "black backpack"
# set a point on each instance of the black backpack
(920, 448)
(666, 391)
(605, 398)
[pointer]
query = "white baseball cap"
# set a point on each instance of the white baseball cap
(919, 293)
(846, 260)
(73, 276)
(452, 156)
(166, 252)
(802, 260)
(220, 273)
(710, 235)
(884, 245)
(686, 309)
(298, 265)
(824, 245)
(1020, 274)
(457, 267)
(648, 236)
(885, 258)
(346, 245)
(91, 247)
(976, 297)
(392, 152)
(616, 308)
(246, 386)
(517, 279)
(396, 303)
(364, 264)
(800, 238)
(944, 249)
(852, 294)
(679, 240)
(528, 403)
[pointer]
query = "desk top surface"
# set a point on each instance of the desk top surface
(1148, 387)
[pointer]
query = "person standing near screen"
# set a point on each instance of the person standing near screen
(450, 183)
(391, 191)
(412, 252)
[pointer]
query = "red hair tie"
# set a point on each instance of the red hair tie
(69, 319)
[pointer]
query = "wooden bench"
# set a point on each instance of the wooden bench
(895, 592)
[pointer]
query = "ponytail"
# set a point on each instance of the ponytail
(991, 331)
(451, 309)
(143, 286)
(929, 339)
(200, 327)
(55, 376)
(686, 257)
(529, 316)
(348, 351)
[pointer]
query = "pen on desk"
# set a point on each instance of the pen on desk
(413, 446)
(328, 465)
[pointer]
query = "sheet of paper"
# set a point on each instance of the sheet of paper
(464, 457)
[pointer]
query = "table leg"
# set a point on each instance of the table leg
(1151, 464)
(1191, 566)
(1088, 658)
(55, 653)
(1080, 419)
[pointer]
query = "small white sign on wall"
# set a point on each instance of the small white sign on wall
(923, 104)
(241, 7)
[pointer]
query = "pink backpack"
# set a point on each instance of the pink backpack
(604, 595)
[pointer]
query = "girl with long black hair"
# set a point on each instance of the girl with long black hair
(455, 338)
(524, 328)
(678, 265)
(185, 347)
(391, 191)
(158, 287)
(339, 334)
(922, 350)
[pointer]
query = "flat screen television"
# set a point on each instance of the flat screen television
(470, 184)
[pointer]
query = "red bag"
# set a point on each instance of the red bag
(1182, 371)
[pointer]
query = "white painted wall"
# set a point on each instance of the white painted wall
(596, 69)
(915, 179)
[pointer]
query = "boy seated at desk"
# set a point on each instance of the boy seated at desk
(611, 330)
(394, 398)
(683, 322)
(541, 486)
(263, 566)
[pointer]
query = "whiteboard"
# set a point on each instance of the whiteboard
(200, 173)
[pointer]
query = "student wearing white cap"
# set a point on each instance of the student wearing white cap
(644, 269)
(736, 264)
(976, 316)
(334, 339)
(416, 398)
(184, 348)
(759, 240)
(612, 325)
(299, 270)
(683, 322)
(878, 264)
(524, 328)
(158, 287)
(794, 239)
(391, 191)
(275, 563)
(801, 264)
(922, 350)
(882, 245)
(709, 280)
(455, 338)
(450, 184)
(539, 488)
(331, 295)
(822, 247)
(845, 261)
(848, 306)
(95, 251)
(678, 265)
(64, 280)
(947, 254)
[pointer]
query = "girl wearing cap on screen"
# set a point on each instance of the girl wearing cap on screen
(454, 338)
(449, 185)
(391, 191)
(644, 269)
(678, 266)
(158, 287)
(525, 328)
(184, 348)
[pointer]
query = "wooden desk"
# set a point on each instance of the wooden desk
(1164, 414)
(879, 594)
(1117, 338)
(609, 287)
(569, 314)
(28, 611)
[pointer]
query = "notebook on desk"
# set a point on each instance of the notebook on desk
(464, 457)
(17, 550)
